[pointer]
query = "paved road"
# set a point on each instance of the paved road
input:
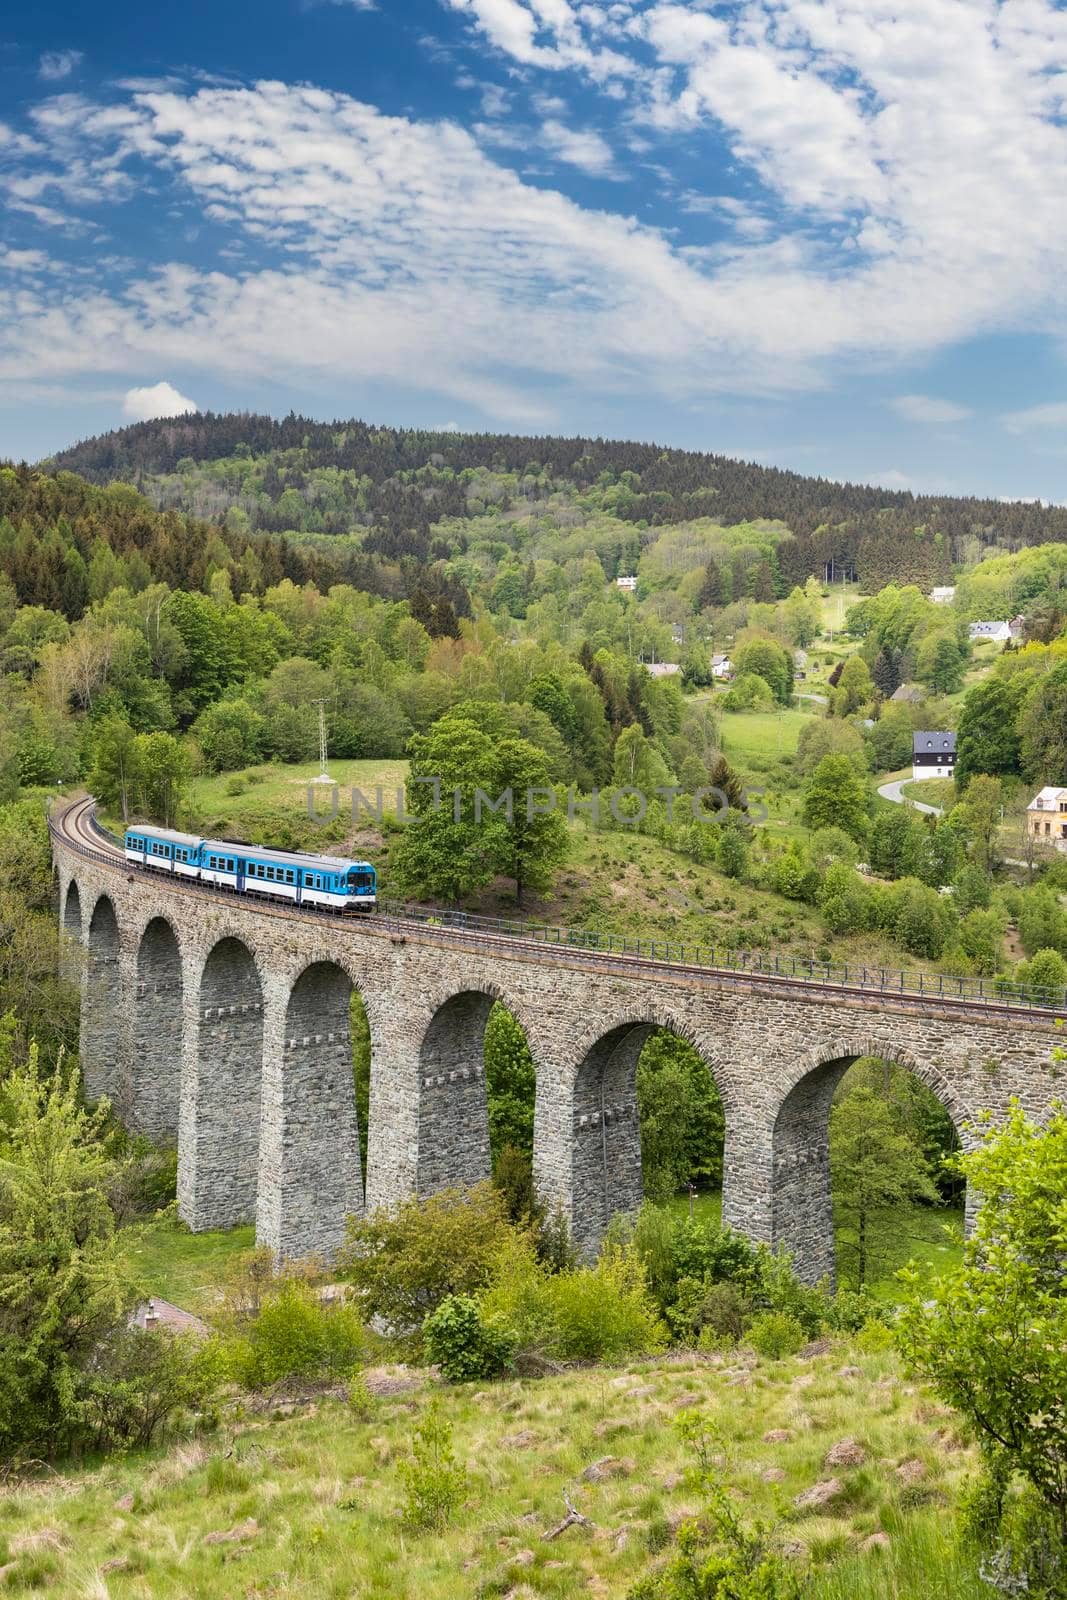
(894, 791)
(820, 698)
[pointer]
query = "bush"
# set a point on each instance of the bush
(403, 1263)
(774, 1334)
(719, 1556)
(139, 1381)
(236, 785)
(463, 1343)
(1045, 974)
(595, 1313)
(606, 1311)
(434, 1480)
(296, 1334)
(715, 1312)
(513, 1176)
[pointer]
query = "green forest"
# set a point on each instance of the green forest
(176, 600)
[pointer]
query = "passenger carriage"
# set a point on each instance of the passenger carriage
(333, 882)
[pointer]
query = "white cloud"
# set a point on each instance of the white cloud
(890, 478)
(872, 142)
(57, 64)
(1047, 416)
(579, 147)
(928, 408)
(158, 400)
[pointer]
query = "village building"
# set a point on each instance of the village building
(662, 669)
(933, 754)
(721, 666)
(998, 632)
(943, 594)
(908, 694)
(1046, 817)
(629, 584)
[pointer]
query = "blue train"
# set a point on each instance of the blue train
(276, 874)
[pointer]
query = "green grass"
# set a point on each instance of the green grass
(286, 786)
(317, 1495)
(185, 1268)
(272, 804)
(931, 791)
(757, 740)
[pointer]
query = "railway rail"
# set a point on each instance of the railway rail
(77, 828)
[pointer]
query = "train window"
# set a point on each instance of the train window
(290, 877)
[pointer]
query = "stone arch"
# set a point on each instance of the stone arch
(72, 955)
(101, 1009)
(72, 911)
(605, 1132)
(453, 1130)
(220, 1115)
(154, 1089)
(318, 1182)
(801, 1206)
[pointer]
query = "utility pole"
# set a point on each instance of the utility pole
(324, 776)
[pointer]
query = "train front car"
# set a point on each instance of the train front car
(362, 884)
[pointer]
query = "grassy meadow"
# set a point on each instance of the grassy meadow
(305, 1496)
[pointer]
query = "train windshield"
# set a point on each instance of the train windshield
(360, 880)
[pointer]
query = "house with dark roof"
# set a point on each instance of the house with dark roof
(933, 755)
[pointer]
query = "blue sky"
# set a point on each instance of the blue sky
(826, 234)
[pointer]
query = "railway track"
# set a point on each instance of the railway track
(76, 827)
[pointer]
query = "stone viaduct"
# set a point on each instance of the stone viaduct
(224, 1025)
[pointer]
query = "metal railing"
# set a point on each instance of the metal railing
(887, 982)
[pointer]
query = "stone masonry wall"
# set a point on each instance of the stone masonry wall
(267, 1126)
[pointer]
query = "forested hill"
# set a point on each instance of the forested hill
(299, 476)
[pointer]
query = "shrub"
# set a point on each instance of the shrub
(236, 785)
(296, 1334)
(513, 1176)
(714, 1312)
(774, 1334)
(850, 1309)
(606, 1311)
(464, 1343)
(403, 1263)
(433, 1478)
(1045, 974)
(873, 1337)
(585, 1314)
(359, 1397)
(139, 1381)
(719, 1556)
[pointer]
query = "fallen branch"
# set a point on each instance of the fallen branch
(574, 1518)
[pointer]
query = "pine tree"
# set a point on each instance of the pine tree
(711, 590)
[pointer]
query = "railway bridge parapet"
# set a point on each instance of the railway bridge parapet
(225, 1026)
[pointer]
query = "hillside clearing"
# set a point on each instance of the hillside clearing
(305, 1498)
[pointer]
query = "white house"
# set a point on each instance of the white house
(999, 632)
(662, 669)
(933, 755)
(721, 667)
(944, 594)
(629, 584)
(1046, 817)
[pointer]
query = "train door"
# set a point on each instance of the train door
(240, 866)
